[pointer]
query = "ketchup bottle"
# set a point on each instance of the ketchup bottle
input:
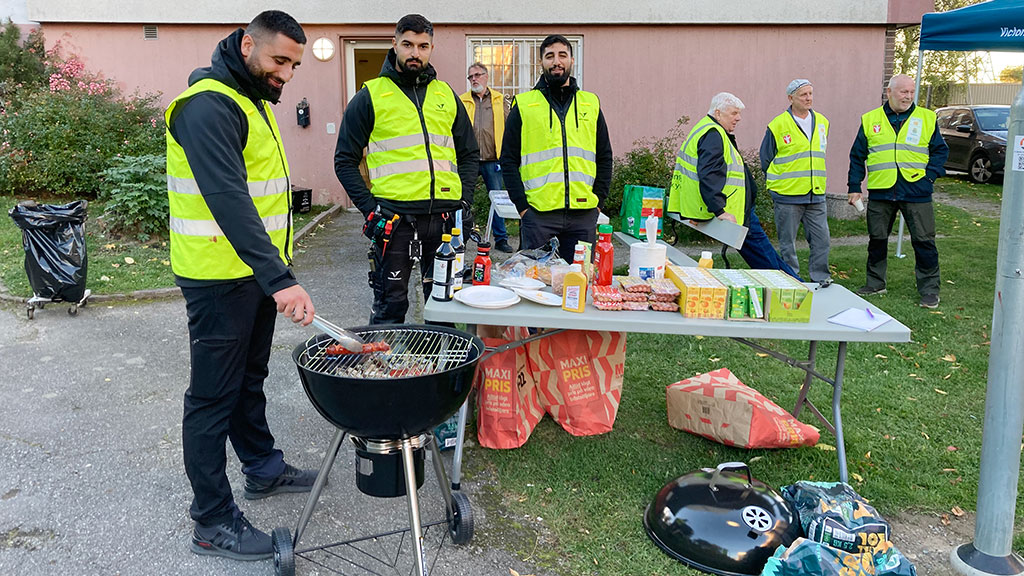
(482, 265)
(604, 256)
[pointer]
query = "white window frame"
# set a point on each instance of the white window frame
(528, 68)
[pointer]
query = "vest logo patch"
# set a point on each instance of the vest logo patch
(876, 128)
(446, 189)
(440, 106)
(787, 139)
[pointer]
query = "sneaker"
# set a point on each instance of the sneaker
(869, 291)
(291, 480)
(236, 539)
(502, 246)
(930, 301)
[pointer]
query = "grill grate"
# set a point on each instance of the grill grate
(414, 352)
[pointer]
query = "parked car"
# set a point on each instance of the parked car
(976, 136)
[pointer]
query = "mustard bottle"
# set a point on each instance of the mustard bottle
(574, 289)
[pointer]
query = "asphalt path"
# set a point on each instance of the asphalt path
(91, 474)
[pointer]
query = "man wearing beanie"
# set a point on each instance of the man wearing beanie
(793, 159)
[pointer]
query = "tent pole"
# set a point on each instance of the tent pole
(991, 552)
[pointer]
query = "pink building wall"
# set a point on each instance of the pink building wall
(646, 77)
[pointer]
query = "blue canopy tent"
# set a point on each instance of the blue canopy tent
(996, 25)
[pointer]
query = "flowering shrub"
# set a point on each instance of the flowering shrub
(57, 137)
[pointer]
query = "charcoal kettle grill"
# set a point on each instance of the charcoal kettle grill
(388, 403)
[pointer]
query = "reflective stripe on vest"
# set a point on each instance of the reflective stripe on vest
(684, 197)
(558, 169)
(411, 152)
(889, 152)
(799, 163)
(199, 249)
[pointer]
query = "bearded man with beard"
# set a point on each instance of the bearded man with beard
(556, 156)
(422, 158)
(231, 235)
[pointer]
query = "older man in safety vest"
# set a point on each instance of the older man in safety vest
(793, 160)
(712, 181)
(900, 148)
(557, 157)
(422, 158)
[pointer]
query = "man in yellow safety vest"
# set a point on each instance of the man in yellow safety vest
(556, 156)
(901, 150)
(231, 234)
(422, 158)
(793, 160)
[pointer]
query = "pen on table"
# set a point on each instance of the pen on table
(870, 313)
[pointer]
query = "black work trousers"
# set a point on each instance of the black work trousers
(920, 218)
(569, 226)
(391, 264)
(230, 329)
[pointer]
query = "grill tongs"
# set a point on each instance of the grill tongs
(349, 340)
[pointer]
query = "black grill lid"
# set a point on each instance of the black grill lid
(721, 521)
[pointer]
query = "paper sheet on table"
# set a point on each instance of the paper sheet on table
(860, 319)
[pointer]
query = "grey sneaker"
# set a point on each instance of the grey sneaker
(869, 291)
(236, 539)
(291, 480)
(930, 301)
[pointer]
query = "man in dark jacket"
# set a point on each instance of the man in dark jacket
(705, 186)
(900, 149)
(556, 156)
(422, 157)
(231, 252)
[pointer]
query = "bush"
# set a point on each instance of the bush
(649, 163)
(763, 205)
(57, 139)
(20, 64)
(135, 192)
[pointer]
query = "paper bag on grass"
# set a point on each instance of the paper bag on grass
(579, 374)
(507, 397)
(719, 407)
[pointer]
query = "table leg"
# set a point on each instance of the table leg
(808, 378)
(460, 432)
(837, 419)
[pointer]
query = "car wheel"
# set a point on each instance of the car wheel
(980, 169)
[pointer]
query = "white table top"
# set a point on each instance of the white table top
(827, 302)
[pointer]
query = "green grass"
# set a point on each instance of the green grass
(960, 186)
(108, 270)
(912, 415)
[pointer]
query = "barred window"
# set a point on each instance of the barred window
(514, 61)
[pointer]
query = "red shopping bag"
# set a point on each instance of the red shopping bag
(579, 374)
(507, 398)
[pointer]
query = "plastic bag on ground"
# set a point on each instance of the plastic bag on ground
(808, 558)
(507, 396)
(53, 237)
(834, 514)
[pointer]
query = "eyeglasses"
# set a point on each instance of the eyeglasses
(475, 76)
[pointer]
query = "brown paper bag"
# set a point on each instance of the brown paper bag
(507, 397)
(719, 407)
(579, 374)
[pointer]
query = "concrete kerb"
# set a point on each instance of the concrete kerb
(173, 291)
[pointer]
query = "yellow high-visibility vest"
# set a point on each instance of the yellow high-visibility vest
(889, 152)
(199, 249)
(411, 153)
(684, 196)
(558, 169)
(498, 111)
(799, 163)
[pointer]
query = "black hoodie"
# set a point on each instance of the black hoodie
(213, 130)
(354, 135)
(561, 99)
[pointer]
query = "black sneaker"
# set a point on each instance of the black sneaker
(869, 291)
(291, 480)
(930, 301)
(502, 246)
(236, 539)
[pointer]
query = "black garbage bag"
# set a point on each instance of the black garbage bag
(54, 240)
(834, 514)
